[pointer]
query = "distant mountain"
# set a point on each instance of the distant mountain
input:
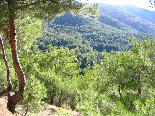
(106, 19)
(137, 18)
(78, 31)
(140, 12)
(110, 32)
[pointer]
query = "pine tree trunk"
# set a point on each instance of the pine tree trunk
(14, 99)
(7, 66)
(9, 89)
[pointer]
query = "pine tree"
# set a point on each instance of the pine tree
(15, 9)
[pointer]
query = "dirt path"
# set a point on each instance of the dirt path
(51, 110)
(3, 110)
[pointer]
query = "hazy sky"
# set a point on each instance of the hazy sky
(139, 3)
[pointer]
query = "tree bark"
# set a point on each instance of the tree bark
(9, 89)
(14, 99)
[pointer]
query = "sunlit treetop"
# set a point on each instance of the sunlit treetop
(40, 8)
(43, 9)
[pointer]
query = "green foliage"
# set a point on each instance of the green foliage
(28, 29)
(119, 71)
(87, 36)
(35, 91)
(59, 66)
(96, 91)
(62, 112)
(91, 11)
(146, 108)
(33, 95)
(3, 72)
(2, 75)
(56, 69)
(54, 74)
(32, 29)
(120, 110)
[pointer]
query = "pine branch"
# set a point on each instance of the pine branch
(71, 6)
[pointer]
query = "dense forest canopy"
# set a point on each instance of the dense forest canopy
(108, 32)
(15, 10)
(98, 67)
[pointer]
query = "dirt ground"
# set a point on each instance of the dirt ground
(49, 110)
(3, 110)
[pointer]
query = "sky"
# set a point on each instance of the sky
(139, 3)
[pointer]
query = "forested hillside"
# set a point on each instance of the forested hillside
(123, 84)
(129, 17)
(140, 12)
(111, 31)
(97, 67)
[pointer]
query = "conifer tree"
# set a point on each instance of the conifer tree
(10, 10)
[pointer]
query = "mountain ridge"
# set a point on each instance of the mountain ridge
(127, 17)
(108, 33)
